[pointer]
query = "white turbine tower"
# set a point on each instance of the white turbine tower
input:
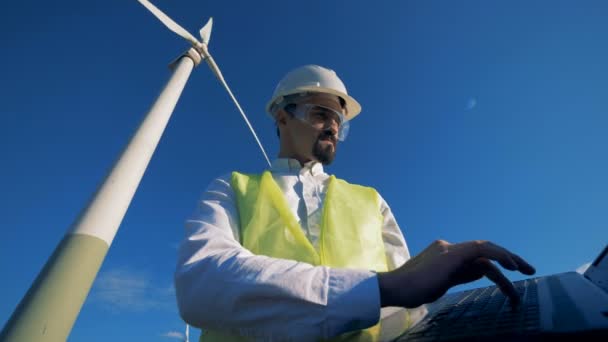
(50, 307)
(187, 335)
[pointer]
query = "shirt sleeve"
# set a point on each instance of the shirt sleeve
(397, 253)
(220, 285)
(395, 246)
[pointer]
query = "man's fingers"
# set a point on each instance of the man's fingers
(494, 274)
(520, 264)
(472, 250)
(524, 266)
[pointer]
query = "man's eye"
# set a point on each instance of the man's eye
(319, 115)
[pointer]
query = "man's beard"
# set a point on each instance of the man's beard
(325, 155)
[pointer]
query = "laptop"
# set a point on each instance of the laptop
(570, 305)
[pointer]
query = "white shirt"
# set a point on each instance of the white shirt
(221, 285)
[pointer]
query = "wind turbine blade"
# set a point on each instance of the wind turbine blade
(205, 32)
(171, 25)
(220, 77)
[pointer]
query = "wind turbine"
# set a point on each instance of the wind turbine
(50, 307)
(201, 48)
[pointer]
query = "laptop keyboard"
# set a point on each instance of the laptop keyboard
(479, 312)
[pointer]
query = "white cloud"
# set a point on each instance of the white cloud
(582, 268)
(128, 290)
(174, 334)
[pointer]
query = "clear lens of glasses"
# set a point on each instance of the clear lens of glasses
(320, 115)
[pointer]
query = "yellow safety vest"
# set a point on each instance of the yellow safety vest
(351, 232)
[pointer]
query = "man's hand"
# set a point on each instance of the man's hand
(428, 276)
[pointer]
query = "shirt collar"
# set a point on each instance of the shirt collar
(293, 165)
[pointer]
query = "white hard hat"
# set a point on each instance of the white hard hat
(313, 78)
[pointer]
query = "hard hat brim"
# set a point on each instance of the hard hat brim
(353, 107)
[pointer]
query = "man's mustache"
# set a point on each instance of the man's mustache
(328, 134)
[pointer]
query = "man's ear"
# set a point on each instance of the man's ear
(281, 116)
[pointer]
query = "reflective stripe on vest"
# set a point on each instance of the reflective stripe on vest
(350, 237)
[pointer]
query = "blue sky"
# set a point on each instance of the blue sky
(481, 120)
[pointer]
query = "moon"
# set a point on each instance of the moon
(471, 103)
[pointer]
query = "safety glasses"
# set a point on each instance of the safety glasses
(316, 115)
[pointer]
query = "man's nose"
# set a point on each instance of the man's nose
(333, 126)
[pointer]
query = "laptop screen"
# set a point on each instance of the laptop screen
(598, 270)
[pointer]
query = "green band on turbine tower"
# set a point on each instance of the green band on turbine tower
(45, 313)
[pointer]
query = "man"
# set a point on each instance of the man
(296, 254)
